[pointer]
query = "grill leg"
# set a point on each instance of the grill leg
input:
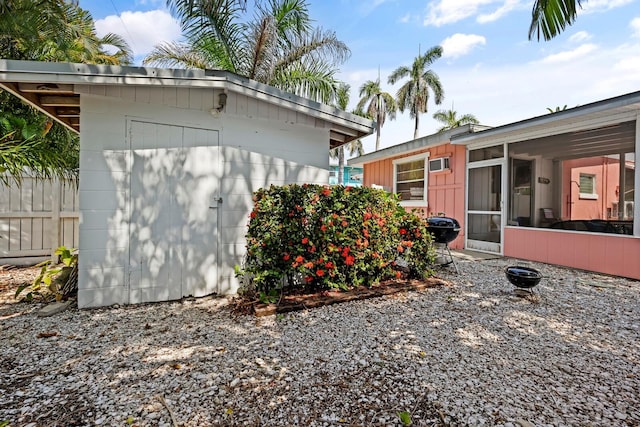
(447, 257)
(452, 259)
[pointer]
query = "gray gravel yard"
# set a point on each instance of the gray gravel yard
(471, 353)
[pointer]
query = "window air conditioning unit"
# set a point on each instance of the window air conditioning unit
(437, 165)
(628, 210)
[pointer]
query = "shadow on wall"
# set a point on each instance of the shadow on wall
(176, 226)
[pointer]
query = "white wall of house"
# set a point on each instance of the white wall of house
(152, 226)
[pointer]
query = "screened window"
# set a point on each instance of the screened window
(588, 186)
(410, 182)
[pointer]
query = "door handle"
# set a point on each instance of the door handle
(218, 201)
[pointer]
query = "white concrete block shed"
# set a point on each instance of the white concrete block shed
(169, 160)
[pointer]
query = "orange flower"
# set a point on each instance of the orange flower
(400, 248)
(308, 264)
(367, 215)
(326, 191)
(345, 223)
(305, 240)
(299, 259)
(350, 260)
(398, 274)
(323, 227)
(319, 273)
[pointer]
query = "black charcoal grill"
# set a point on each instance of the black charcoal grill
(444, 231)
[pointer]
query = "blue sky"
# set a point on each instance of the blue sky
(488, 68)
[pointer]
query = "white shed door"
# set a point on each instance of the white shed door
(174, 197)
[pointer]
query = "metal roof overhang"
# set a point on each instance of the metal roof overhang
(415, 145)
(50, 87)
(600, 128)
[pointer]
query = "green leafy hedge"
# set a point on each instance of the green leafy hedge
(317, 237)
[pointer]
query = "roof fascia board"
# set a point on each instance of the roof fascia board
(67, 73)
(412, 146)
(600, 113)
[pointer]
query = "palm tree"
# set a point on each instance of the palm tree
(279, 46)
(413, 95)
(550, 17)
(59, 31)
(355, 146)
(557, 109)
(450, 119)
(378, 105)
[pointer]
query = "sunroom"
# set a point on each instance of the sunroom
(559, 188)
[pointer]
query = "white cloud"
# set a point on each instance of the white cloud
(593, 6)
(142, 30)
(635, 27)
(507, 7)
(443, 12)
(579, 37)
(631, 63)
(460, 44)
(570, 55)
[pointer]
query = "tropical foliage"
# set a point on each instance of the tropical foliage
(279, 46)
(314, 238)
(376, 104)
(413, 95)
(55, 30)
(59, 31)
(450, 119)
(557, 109)
(30, 142)
(550, 17)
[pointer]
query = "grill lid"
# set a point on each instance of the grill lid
(443, 222)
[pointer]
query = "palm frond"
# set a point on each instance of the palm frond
(173, 54)
(551, 17)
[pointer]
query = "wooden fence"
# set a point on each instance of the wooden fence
(36, 218)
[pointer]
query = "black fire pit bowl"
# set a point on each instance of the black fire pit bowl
(523, 277)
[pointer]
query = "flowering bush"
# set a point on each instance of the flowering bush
(317, 237)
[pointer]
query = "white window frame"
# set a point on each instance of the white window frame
(424, 157)
(593, 195)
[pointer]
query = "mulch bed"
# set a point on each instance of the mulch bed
(289, 303)
(12, 277)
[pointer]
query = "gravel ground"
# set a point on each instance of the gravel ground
(471, 353)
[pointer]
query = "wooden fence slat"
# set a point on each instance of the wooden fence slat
(37, 217)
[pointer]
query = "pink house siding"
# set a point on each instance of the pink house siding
(606, 172)
(445, 190)
(605, 253)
